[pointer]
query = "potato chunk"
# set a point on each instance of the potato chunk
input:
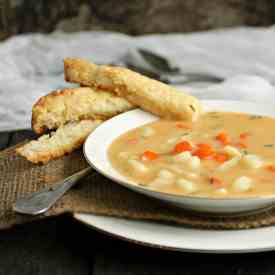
(148, 132)
(242, 184)
(194, 163)
(229, 164)
(232, 151)
(186, 185)
(138, 166)
(221, 191)
(252, 161)
(165, 174)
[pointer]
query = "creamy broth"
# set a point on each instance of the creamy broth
(220, 155)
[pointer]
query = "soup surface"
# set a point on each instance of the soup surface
(222, 154)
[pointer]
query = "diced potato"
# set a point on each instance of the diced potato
(232, 151)
(181, 170)
(186, 185)
(160, 182)
(190, 175)
(252, 161)
(138, 166)
(148, 132)
(165, 174)
(184, 156)
(194, 163)
(229, 164)
(221, 191)
(164, 178)
(242, 184)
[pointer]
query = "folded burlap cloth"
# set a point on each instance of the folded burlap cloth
(97, 195)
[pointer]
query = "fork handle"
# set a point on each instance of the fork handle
(39, 202)
(187, 78)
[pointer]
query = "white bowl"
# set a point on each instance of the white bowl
(98, 142)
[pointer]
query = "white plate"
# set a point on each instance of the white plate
(97, 144)
(184, 239)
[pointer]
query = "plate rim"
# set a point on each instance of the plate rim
(101, 229)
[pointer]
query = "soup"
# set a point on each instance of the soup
(222, 154)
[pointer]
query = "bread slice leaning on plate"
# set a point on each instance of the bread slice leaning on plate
(75, 113)
(149, 94)
(51, 146)
(75, 104)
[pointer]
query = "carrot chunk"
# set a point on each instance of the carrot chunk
(271, 168)
(223, 138)
(149, 155)
(204, 151)
(205, 146)
(221, 157)
(216, 182)
(183, 125)
(203, 154)
(182, 147)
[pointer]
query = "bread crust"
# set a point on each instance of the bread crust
(66, 139)
(150, 95)
(74, 104)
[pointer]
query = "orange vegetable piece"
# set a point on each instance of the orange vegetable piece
(183, 125)
(216, 182)
(149, 155)
(182, 147)
(223, 138)
(205, 146)
(203, 154)
(204, 151)
(221, 157)
(271, 168)
(244, 135)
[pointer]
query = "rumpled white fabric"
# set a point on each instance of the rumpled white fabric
(31, 65)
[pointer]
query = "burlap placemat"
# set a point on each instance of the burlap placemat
(97, 195)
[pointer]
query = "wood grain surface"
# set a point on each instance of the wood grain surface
(62, 245)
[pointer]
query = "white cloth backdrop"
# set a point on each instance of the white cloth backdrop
(31, 65)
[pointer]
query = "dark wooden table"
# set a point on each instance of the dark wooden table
(62, 245)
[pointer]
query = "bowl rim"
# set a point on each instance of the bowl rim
(140, 189)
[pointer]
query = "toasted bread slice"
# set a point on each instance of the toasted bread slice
(150, 95)
(51, 146)
(62, 106)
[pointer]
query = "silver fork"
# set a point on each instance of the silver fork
(159, 67)
(41, 201)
